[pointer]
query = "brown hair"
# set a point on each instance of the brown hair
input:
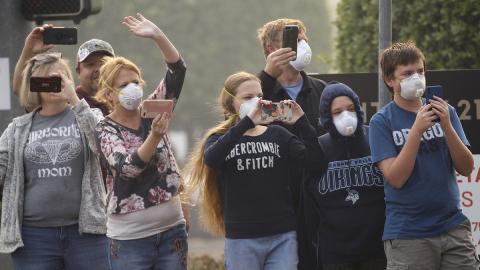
(39, 65)
(268, 33)
(399, 54)
(108, 73)
(198, 175)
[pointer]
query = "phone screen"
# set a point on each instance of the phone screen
(45, 84)
(276, 111)
(290, 37)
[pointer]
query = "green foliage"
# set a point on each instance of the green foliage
(445, 30)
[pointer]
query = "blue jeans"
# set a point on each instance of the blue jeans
(60, 248)
(164, 251)
(276, 252)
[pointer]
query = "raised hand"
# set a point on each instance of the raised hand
(278, 60)
(424, 119)
(256, 113)
(34, 41)
(297, 111)
(160, 125)
(440, 108)
(141, 26)
(68, 89)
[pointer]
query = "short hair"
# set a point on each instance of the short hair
(268, 33)
(40, 65)
(108, 73)
(399, 54)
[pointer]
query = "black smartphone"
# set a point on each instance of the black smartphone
(290, 37)
(46, 84)
(60, 35)
(433, 90)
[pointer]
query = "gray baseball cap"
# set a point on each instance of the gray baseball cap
(91, 46)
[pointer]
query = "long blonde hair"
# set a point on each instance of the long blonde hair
(198, 175)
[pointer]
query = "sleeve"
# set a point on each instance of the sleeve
(4, 155)
(114, 151)
(268, 84)
(87, 120)
(171, 85)
(381, 140)
(217, 146)
(313, 159)
(457, 125)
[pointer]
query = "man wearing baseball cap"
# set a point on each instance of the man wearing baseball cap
(89, 61)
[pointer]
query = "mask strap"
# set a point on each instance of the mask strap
(230, 94)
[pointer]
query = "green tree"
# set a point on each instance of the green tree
(445, 30)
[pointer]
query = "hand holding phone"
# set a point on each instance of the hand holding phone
(276, 111)
(290, 37)
(434, 90)
(46, 84)
(60, 35)
(153, 107)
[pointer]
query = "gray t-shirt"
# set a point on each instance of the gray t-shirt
(53, 159)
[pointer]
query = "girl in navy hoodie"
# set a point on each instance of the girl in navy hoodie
(343, 209)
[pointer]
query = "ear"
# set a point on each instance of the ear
(389, 81)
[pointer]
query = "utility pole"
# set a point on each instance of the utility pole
(384, 40)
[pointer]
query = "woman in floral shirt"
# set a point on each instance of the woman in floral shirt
(146, 224)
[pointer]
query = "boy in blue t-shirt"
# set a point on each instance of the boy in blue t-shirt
(425, 227)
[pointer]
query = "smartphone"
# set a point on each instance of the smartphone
(153, 107)
(60, 35)
(45, 84)
(276, 111)
(290, 37)
(434, 90)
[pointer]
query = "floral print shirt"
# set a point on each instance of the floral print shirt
(133, 184)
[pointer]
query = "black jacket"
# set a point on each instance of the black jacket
(308, 98)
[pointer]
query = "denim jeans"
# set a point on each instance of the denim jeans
(276, 252)
(164, 251)
(60, 248)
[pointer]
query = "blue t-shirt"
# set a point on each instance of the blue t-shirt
(429, 203)
(294, 89)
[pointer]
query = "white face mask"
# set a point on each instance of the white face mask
(413, 86)
(346, 123)
(247, 106)
(130, 96)
(304, 56)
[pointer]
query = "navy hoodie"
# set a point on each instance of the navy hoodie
(343, 209)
